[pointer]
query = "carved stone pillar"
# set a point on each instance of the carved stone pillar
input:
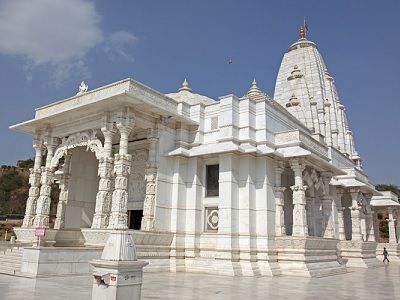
(369, 220)
(106, 165)
(327, 218)
(280, 229)
(340, 209)
(392, 229)
(310, 204)
(34, 181)
(63, 198)
(376, 226)
(370, 224)
(44, 200)
(355, 216)
(299, 199)
(151, 183)
(122, 169)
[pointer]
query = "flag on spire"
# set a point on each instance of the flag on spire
(305, 26)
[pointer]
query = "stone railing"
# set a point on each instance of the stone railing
(298, 138)
(340, 160)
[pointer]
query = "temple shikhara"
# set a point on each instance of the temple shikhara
(240, 185)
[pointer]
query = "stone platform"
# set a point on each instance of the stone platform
(308, 256)
(359, 254)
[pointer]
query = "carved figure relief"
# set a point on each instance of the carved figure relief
(137, 183)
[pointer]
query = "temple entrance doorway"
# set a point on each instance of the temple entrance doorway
(135, 219)
(83, 187)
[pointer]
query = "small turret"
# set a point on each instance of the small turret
(255, 93)
(185, 87)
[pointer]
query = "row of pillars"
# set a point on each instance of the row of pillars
(300, 225)
(300, 222)
(112, 195)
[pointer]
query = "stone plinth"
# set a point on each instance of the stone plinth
(393, 250)
(59, 238)
(359, 254)
(27, 235)
(308, 256)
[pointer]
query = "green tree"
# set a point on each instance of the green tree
(25, 164)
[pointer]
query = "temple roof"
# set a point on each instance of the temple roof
(307, 90)
(185, 94)
(387, 198)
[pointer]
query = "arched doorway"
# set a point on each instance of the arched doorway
(83, 187)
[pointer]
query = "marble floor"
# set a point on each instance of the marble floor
(379, 283)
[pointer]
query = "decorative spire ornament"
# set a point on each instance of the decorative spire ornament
(185, 87)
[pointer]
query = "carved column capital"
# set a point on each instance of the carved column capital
(297, 164)
(125, 119)
(37, 140)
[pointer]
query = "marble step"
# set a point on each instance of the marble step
(9, 271)
(10, 259)
(9, 265)
(11, 256)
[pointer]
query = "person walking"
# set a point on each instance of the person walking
(385, 255)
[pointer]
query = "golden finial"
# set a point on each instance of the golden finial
(302, 33)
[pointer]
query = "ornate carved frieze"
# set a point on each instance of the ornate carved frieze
(296, 137)
(86, 138)
(137, 181)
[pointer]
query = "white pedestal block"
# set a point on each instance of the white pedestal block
(117, 280)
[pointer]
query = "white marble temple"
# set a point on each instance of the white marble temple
(248, 186)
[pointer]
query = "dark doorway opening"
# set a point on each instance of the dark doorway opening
(135, 219)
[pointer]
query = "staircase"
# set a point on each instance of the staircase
(11, 260)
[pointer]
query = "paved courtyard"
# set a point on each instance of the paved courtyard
(380, 283)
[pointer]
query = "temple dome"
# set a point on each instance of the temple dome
(307, 90)
(185, 94)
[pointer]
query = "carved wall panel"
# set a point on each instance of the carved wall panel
(136, 182)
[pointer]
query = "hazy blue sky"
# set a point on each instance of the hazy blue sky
(47, 47)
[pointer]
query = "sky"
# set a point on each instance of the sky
(49, 46)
